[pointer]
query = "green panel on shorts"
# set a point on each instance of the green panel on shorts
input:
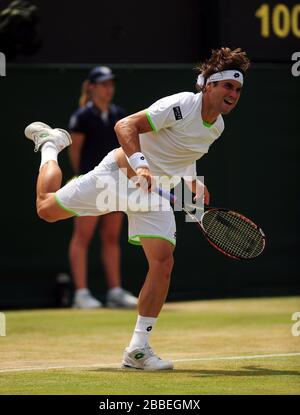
(150, 121)
(133, 241)
(63, 207)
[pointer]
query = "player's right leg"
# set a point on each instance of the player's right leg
(139, 355)
(50, 142)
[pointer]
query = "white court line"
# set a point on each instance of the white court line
(117, 365)
(258, 356)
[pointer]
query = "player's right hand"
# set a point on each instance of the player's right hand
(144, 179)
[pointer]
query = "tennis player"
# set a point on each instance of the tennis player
(164, 140)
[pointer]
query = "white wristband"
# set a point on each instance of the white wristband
(137, 160)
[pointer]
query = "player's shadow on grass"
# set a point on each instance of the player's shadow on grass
(244, 371)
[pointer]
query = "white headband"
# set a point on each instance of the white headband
(222, 76)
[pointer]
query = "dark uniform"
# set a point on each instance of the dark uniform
(98, 129)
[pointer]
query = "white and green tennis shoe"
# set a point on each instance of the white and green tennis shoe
(41, 133)
(144, 359)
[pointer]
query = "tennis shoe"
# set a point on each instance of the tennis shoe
(86, 301)
(41, 133)
(144, 359)
(120, 298)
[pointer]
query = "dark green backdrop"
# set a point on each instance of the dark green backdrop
(254, 168)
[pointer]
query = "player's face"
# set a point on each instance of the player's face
(104, 90)
(225, 95)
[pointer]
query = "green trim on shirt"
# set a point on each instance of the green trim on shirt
(150, 121)
(207, 124)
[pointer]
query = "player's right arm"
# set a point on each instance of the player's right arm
(75, 150)
(128, 130)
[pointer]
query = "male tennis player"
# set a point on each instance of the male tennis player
(164, 140)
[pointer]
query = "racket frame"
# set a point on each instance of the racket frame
(201, 226)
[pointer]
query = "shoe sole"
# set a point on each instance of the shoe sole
(66, 134)
(131, 367)
(146, 369)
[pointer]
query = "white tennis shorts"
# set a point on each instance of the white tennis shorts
(107, 189)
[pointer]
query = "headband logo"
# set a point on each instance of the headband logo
(236, 75)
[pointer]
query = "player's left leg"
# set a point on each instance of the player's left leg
(49, 181)
(50, 142)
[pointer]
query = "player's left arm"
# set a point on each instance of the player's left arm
(197, 187)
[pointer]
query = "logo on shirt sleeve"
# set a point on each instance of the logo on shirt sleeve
(177, 113)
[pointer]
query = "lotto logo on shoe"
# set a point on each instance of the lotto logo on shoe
(149, 328)
(139, 356)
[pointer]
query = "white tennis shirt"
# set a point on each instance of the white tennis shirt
(179, 136)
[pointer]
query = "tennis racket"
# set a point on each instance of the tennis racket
(231, 233)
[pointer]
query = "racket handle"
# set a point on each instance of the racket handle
(166, 194)
(173, 198)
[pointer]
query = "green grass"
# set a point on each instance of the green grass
(86, 346)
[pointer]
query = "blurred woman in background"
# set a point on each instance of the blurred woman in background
(93, 135)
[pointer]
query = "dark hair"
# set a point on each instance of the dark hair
(224, 59)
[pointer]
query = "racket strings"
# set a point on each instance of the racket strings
(233, 234)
